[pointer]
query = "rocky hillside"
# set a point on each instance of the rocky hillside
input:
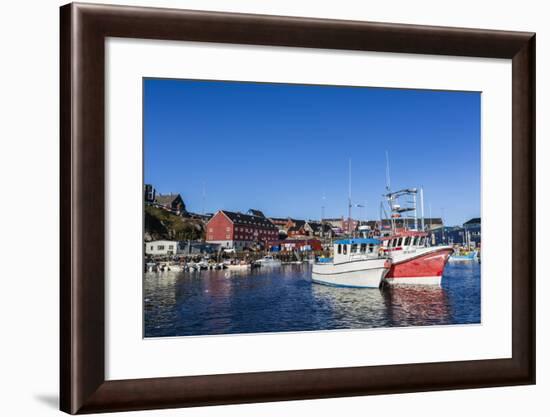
(160, 224)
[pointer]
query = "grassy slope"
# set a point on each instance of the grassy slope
(160, 224)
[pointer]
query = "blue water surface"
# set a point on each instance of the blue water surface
(284, 299)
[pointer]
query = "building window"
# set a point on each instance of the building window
(170, 247)
(160, 247)
(210, 230)
(227, 237)
(152, 247)
(227, 229)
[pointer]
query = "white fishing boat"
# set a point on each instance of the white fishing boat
(175, 267)
(356, 263)
(238, 266)
(268, 260)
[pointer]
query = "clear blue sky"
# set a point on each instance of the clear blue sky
(280, 148)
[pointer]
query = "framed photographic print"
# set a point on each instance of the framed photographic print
(264, 208)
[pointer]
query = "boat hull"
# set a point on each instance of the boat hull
(356, 274)
(422, 267)
(463, 258)
(239, 267)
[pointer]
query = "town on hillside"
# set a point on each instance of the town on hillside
(171, 230)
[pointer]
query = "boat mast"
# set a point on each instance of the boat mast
(415, 212)
(388, 191)
(422, 207)
(349, 198)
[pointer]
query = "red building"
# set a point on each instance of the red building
(239, 231)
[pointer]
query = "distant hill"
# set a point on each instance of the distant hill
(161, 224)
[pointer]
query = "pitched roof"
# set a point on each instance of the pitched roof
(317, 227)
(279, 219)
(255, 212)
(298, 223)
(166, 198)
(247, 219)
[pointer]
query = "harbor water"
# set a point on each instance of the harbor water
(283, 299)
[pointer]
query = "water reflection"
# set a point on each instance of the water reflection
(416, 305)
(353, 307)
(284, 299)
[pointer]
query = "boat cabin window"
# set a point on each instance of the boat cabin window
(407, 241)
(422, 239)
(413, 241)
(371, 248)
(363, 247)
(400, 241)
(354, 248)
(393, 243)
(339, 249)
(345, 249)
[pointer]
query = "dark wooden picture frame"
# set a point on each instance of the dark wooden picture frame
(84, 29)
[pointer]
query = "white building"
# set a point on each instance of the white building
(161, 247)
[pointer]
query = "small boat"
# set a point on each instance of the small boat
(463, 256)
(356, 263)
(203, 265)
(269, 260)
(192, 267)
(239, 266)
(150, 267)
(175, 268)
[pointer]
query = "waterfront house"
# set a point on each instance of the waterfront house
(161, 247)
(294, 223)
(280, 222)
(171, 202)
(296, 228)
(239, 231)
(473, 229)
(195, 248)
(335, 223)
(295, 231)
(318, 229)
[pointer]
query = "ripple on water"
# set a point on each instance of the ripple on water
(285, 299)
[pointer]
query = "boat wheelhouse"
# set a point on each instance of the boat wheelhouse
(355, 263)
(414, 261)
